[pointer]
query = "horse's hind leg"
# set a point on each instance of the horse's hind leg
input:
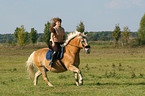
(43, 71)
(37, 74)
(81, 78)
(76, 78)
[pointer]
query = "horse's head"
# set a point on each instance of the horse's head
(84, 42)
(79, 40)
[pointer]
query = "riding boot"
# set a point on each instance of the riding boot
(52, 59)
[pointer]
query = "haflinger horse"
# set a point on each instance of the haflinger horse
(71, 59)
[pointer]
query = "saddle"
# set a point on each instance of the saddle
(59, 54)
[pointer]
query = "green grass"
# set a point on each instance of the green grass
(107, 72)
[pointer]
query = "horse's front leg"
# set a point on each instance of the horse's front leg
(77, 72)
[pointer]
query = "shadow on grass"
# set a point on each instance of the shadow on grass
(99, 84)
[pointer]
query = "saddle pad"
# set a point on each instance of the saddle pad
(49, 52)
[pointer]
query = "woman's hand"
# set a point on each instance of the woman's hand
(53, 44)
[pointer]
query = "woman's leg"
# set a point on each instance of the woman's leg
(54, 54)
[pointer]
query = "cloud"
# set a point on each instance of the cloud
(124, 3)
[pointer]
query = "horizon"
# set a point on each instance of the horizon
(70, 32)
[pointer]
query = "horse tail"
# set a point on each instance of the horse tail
(30, 66)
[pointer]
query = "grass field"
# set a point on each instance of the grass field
(107, 72)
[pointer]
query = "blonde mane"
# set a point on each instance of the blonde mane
(70, 36)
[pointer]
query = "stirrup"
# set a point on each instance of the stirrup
(51, 64)
(52, 59)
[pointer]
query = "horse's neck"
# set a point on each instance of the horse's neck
(72, 52)
(73, 46)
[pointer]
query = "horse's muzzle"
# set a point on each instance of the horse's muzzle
(87, 49)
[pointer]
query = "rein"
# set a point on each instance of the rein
(88, 46)
(80, 47)
(76, 46)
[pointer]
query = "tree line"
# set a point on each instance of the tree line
(92, 36)
(21, 37)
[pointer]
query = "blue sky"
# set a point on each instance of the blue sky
(97, 15)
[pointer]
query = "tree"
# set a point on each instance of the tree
(33, 36)
(116, 34)
(41, 38)
(47, 33)
(80, 27)
(16, 32)
(21, 36)
(125, 33)
(141, 30)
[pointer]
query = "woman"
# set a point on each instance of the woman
(57, 37)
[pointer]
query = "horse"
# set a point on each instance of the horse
(71, 59)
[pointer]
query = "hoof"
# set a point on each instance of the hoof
(50, 85)
(81, 82)
(77, 83)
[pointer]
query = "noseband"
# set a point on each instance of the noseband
(88, 46)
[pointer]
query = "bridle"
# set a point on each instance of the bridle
(88, 46)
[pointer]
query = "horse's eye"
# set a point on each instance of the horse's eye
(82, 39)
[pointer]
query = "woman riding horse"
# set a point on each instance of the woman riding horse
(57, 38)
(71, 59)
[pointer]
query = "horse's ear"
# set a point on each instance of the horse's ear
(80, 34)
(85, 34)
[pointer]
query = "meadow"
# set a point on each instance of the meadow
(107, 71)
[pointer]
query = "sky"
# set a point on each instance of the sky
(97, 15)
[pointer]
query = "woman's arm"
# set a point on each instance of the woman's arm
(64, 36)
(53, 33)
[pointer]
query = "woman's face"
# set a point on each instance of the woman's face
(58, 23)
